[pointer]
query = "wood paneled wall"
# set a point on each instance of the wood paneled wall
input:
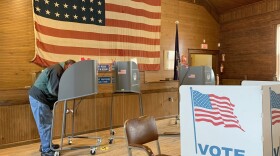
(16, 44)
(17, 38)
(92, 114)
(258, 8)
(195, 24)
(248, 39)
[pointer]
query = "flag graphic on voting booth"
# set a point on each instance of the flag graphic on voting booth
(275, 107)
(275, 121)
(222, 121)
(217, 110)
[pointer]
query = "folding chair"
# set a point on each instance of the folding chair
(140, 131)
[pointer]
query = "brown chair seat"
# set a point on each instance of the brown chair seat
(140, 131)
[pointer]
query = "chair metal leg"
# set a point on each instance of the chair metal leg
(129, 152)
(158, 147)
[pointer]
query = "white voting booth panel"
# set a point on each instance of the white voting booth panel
(269, 87)
(226, 120)
(258, 83)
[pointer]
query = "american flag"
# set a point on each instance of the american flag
(177, 55)
(217, 110)
(275, 107)
(102, 30)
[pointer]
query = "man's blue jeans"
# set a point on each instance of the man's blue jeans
(43, 118)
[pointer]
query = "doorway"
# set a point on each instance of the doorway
(204, 57)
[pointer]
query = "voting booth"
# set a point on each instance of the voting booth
(196, 75)
(273, 92)
(230, 120)
(127, 77)
(78, 81)
(127, 81)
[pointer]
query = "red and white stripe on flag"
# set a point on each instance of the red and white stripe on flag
(131, 31)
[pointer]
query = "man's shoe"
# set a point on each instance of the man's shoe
(49, 153)
(54, 146)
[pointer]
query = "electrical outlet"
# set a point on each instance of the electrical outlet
(171, 99)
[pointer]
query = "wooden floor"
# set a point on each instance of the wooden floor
(169, 145)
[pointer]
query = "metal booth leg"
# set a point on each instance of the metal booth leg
(63, 123)
(178, 116)
(70, 141)
(112, 132)
(52, 129)
(63, 128)
(140, 104)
